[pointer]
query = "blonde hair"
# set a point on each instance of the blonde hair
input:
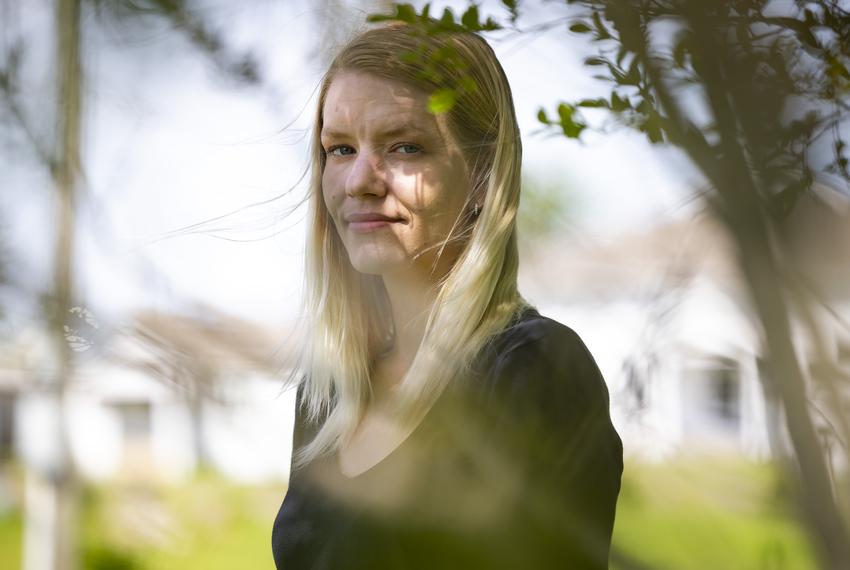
(347, 316)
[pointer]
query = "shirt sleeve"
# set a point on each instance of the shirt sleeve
(557, 403)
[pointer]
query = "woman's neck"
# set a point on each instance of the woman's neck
(412, 293)
(411, 301)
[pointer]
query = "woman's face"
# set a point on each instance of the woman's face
(395, 180)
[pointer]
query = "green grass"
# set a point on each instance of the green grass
(705, 513)
(708, 513)
(209, 524)
(10, 539)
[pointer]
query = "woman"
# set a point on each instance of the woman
(442, 422)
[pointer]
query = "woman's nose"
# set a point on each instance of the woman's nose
(366, 176)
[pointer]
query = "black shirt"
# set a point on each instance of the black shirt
(517, 466)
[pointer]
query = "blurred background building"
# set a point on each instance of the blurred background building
(158, 400)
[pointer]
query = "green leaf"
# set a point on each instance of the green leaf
(565, 112)
(617, 74)
(595, 61)
(572, 130)
(580, 28)
(618, 104)
(442, 101)
(569, 125)
(489, 25)
(470, 18)
(602, 32)
(542, 117)
(405, 13)
(594, 103)
(448, 19)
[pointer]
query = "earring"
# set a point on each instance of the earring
(475, 210)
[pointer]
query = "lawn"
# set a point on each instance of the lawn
(210, 524)
(706, 513)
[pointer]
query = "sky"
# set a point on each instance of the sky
(169, 144)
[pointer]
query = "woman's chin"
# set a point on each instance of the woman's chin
(378, 265)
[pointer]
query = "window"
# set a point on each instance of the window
(135, 420)
(724, 393)
(711, 399)
(135, 425)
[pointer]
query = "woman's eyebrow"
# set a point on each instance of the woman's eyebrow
(385, 133)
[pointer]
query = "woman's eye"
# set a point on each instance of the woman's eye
(343, 150)
(408, 148)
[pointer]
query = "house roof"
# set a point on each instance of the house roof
(816, 237)
(212, 340)
(632, 265)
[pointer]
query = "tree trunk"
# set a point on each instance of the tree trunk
(817, 501)
(50, 541)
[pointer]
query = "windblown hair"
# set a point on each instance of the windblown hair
(347, 315)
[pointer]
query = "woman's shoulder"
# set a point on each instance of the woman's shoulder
(538, 358)
(529, 330)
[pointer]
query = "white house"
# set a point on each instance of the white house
(667, 317)
(156, 400)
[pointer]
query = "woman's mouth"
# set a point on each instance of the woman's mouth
(367, 222)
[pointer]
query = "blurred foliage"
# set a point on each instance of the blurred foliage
(434, 62)
(187, 18)
(725, 80)
(107, 558)
(469, 21)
